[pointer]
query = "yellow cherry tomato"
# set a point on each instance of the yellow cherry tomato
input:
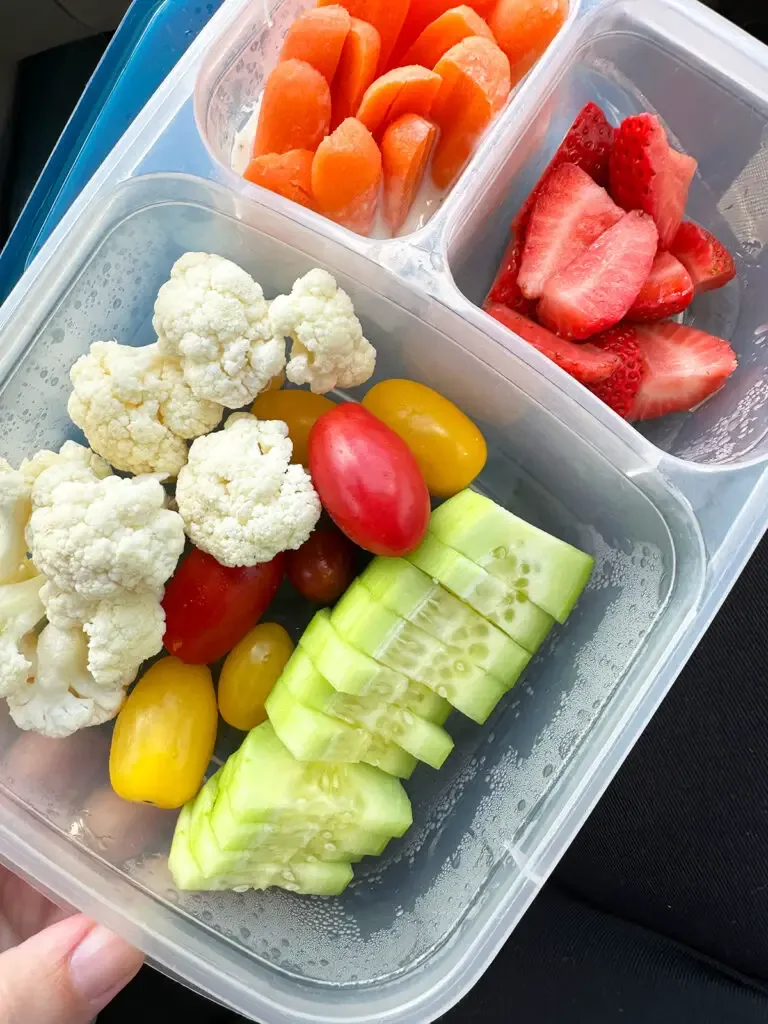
(164, 735)
(276, 383)
(449, 448)
(251, 670)
(299, 409)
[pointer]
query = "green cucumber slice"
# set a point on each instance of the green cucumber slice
(546, 570)
(506, 608)
(414, 596)
(392, 723)
(350, 671)
(379, 633)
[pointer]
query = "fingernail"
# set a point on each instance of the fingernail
(101, 965)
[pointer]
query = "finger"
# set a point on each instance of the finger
(65, 974)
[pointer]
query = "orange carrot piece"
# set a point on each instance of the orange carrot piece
(410, 90)
(443, 33)
(317, 37)
(295, 109)
(524, 29)
(356, 70)
(405, 149)
(475, 75)
(422, 13)
(288, 174)
(386, 16)
(346, 175)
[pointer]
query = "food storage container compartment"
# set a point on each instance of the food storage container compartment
(631, 56)
(419, 925)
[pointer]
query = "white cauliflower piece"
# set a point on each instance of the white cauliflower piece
(71, 455)
(99, 538)
(212, 316)
(328, 350)
(121, 635)
(135, 408)
(15, 509)
(239, 497)
(21, 611)
(63, 696)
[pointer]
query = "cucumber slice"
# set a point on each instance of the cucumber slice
(414, 596)
(312, 735)
(393, 641)
(506, 608)
(537, 565)
(350, 671)
(425, 740)
(269, 785)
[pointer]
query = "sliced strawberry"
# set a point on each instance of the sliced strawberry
(647, 174)
(570, 213)
(704, 257)
(619, 390)
(596, 291)
(667, 291)
(505, 288)
(584, 362)
(683, 367)
(587, 144)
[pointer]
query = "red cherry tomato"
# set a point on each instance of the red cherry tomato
(323, 567)
(368, 480)
(210, 607)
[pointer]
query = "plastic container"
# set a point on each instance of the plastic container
(670, 527)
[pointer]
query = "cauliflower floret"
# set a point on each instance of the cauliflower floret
(99, 538)
(15, 509)
(21, 611)
(212, 316)
(62, 697)
(70, 458)
(239, 497)
(328, 350)
(121, 635)
(135, 409)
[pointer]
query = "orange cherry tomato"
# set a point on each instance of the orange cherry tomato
(299, 409)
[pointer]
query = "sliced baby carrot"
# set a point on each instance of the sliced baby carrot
(386, 16)
(405, 149)
(524, 29)
(475, 75)
(317, 37)
(295, 109)
(288, 174)
(443, 33)
(346, 175)
(422, 13)
(410, 90)
(356, 70)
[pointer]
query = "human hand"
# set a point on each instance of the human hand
(55, 968)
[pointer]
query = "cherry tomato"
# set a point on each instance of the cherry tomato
(251, 670)
(299, 409)
(209, 607)
(323, 567)
(369, 481)
(164, 735)
(448, 447)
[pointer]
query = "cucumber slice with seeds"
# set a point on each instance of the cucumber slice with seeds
(546, 570)
(393, 641)
(414, 596)
(392, 723)
(350, 671)
(506, 608)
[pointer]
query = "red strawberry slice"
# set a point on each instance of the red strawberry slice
(584, 362)
(667, 291)
(505, 288)
(647, 174)
(619, 390)
(587, 144)
(683, 367)
(704, 257)
(570, 213)
(597, 290)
